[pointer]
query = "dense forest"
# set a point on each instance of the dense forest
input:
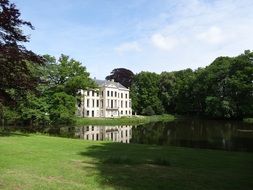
(43, 90)
(224, 89)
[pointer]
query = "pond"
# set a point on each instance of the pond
(195, 133)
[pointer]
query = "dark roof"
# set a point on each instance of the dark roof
(108, 82)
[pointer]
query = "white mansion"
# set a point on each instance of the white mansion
(111, 99)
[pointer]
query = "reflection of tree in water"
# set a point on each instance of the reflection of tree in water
(193, 133)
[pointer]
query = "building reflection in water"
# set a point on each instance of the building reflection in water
(121, 133)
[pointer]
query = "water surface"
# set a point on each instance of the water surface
(195, 133)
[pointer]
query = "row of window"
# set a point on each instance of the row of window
(110, 103)
(92, 113)
(114, 94)
(109, 94)
(113, 104)
(92, 93)
(93, 103)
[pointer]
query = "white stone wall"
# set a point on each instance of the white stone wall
(107, 101)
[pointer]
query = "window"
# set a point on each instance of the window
(111, 103)
(88, 93)
(126, 95)
(115, 94)
(88, 113)
(93, 103)
(93, 93)
(88, 103)
(121, 112)
(87, 128)
(108, 93)
(121, 103)
(102, 104)
(121, 95)
(126, 104)
(92, 128)
(126, 112)
(92, 113)
(102, 93)
(111, 93)
(97, 103)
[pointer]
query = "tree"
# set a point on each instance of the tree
(145, 92)
(148, 111)
(121, 75)
(34, 110)
(14, 71)
(66, 75)
(62, 108)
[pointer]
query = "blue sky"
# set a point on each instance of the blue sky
(141, 35)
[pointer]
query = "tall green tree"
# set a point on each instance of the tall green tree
(62, 108)
(66, 75)
(145, 93)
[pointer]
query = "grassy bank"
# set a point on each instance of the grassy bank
(42, 162)
(134, 120)
(248, 120)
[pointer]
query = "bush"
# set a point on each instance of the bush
(148, 111)
(62, 109)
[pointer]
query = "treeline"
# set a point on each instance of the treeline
(224, 89)
(53, 101)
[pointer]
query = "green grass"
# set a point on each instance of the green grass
(43, 162)
(134, 120)
(248, 120)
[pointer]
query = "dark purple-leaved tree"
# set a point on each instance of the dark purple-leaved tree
(14, 57)
(121, 75)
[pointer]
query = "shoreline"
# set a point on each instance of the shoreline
(134, 120)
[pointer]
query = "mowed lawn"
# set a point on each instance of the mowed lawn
(43, 162)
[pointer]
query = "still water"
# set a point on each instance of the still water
(196, 133)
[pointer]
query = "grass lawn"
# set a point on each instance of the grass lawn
(43, 162)
(134, 120)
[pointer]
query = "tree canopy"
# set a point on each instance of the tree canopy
(121, 75)
(14, 70)
(224, 89)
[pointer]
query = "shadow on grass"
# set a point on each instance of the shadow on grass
(9, 134)
(10, 131)
(132, 166)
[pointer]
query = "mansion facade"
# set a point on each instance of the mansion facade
(111, 99)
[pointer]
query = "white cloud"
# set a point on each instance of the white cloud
(128, 47)
(163, 42)
(213, 35)
(194, 32)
